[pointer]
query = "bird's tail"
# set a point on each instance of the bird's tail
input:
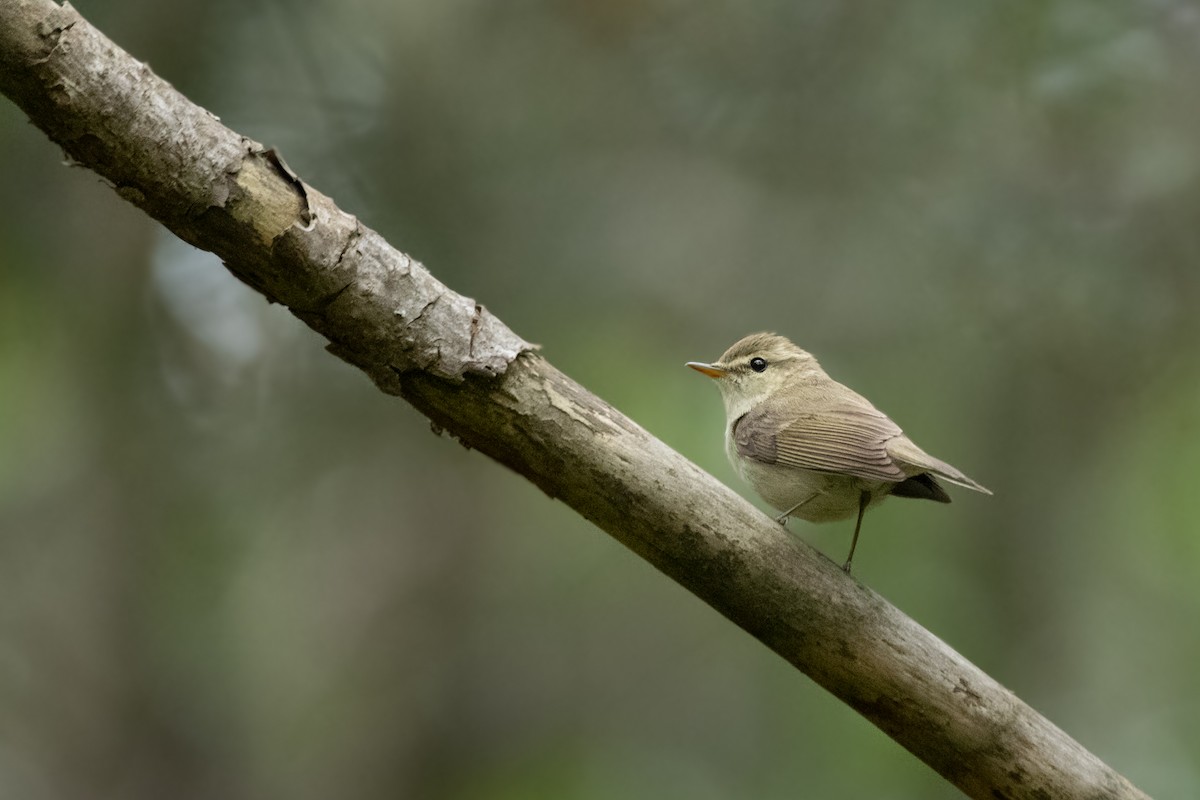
(910, 457)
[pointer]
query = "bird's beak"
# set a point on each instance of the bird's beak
(707, 369)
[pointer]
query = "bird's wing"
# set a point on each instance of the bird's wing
(849, 441)
(907, 454)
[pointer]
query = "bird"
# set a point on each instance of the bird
(811, 447)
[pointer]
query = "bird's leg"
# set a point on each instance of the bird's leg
(864, 498)
(783, 518)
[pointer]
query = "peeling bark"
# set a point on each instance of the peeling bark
(381, 310)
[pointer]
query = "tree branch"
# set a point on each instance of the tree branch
(471, 375)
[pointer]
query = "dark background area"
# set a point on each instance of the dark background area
(229, 567)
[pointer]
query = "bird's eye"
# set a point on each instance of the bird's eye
(758, 364)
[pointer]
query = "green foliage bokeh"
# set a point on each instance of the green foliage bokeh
(230, 567)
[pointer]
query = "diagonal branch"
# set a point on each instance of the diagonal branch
(459, 365)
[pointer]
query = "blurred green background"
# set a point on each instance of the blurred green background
(229, 567)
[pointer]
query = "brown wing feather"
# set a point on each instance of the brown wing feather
(906, 453)
(849, 442)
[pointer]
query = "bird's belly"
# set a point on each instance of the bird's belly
(824, 496)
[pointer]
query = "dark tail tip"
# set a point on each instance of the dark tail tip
(921, 487)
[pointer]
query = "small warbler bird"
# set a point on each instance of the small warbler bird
(811, 447)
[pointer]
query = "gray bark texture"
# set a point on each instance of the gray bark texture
(473, 377)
